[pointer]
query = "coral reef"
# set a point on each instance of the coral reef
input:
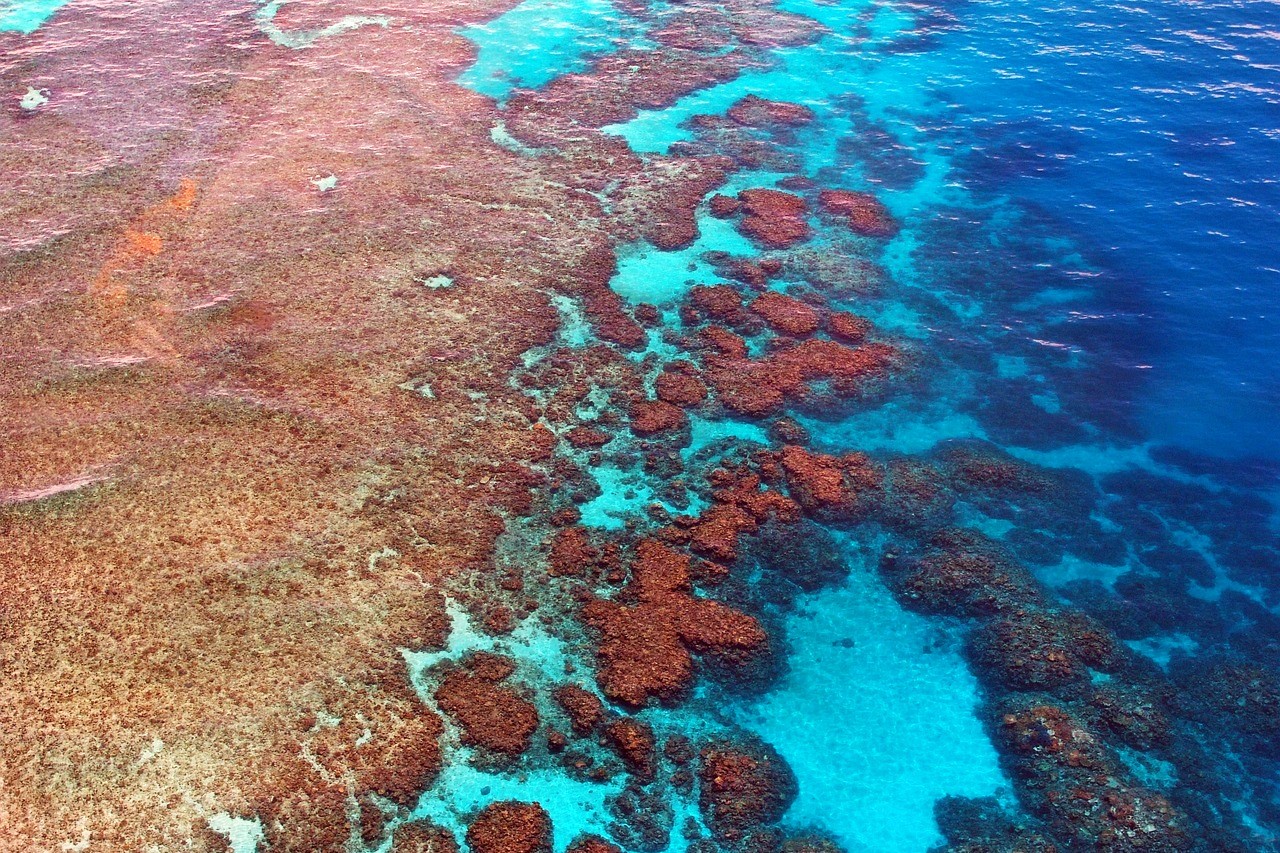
(744, 786)
(510, 827)
(645, 649)
(593, 844)
(634, 742)
(861, 213)
(584, 708)
(653, 416)
(1071, 780)
(756, 111)
(785, 314)
(773, 218)
(419, 837)
(491, 714)
(261, 421)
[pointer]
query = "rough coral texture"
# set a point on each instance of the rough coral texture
(645, 649)
(786, 314)
(592, 844)
(744, 785)
(635, 743)
(421, 837)
(759, 387)
(679, 385)
(510, 827)
(256, 428)
(760, 112)
(773, 218)
(241, 461)
(861, 213)
(491, 714)
(584, 708)
(1066, 775)
(654, 416)
(829, 484)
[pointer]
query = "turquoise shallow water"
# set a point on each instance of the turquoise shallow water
(876, 718)
(541, 39)
(25, 16)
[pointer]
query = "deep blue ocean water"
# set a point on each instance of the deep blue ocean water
(1148, 133)
(1091, 201)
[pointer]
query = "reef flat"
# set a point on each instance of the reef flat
(409, 447)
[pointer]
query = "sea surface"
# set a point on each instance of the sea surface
(1088, 270)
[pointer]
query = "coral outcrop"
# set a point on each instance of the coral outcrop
(492, 715)
(773, 218)
(759, 112)
(862, 213)
(1068, 777)
(744, 785)
(645, 648)
(510, 827)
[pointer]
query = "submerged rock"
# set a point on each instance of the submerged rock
(492, 715)
(744, 785)
(775, 219)
(1028, 649)
(510, 827)
(962, 574)
(982, 826)
(642, 817)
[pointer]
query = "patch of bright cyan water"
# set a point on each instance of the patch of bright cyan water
(897, 427)
(648, 274)
(624, 495)
(26, 16)
(876, 718)
(529, 644)
(704, 433)
(540, 40)
(265, 18)
(461, 790)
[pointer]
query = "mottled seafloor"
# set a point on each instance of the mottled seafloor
(573, 425)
